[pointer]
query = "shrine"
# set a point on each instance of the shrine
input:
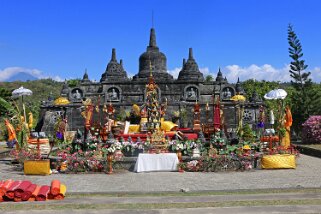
(180, 95)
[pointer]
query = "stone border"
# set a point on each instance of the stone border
(308, 151)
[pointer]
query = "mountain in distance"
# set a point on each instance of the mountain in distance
(22, 77)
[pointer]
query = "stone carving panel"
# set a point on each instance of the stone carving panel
(227, 93)
(248, 115)
(113, 94)
(191, 93)
(76, 94)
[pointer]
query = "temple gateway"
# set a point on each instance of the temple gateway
(122, 92)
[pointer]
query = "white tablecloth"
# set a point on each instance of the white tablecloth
(156, 162)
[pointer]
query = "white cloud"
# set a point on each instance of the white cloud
(265, 72)
(205, 71)
(6, 73)
(175, 72)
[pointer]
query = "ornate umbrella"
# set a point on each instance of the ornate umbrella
(280, 95)
(276, 94)
(20, 92)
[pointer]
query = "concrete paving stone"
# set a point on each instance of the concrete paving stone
(306, 175)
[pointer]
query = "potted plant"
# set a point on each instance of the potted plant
(194, 145)
(183, 117)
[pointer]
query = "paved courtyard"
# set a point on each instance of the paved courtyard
(307, 175)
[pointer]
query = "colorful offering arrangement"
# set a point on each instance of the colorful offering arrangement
(19, 191)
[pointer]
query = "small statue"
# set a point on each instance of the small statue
(77, 95)
(113, 95)
(191, 94)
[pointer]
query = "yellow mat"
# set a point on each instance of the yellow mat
(285, 161)
(36, 167)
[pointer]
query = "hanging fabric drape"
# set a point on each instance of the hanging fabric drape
(217, 116)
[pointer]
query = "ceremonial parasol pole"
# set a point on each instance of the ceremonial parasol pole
(20, 92)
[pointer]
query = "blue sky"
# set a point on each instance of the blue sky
(246, 38)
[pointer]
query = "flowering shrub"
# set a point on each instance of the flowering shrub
(176, 146)
(127, 147)
(23, 154)
(83, 161)
(311, 132)
(193, 166)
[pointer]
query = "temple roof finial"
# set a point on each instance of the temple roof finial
(219, 77)
(113, 55)
(184, 62)
(190, 53)
(219, 72)
(85, 77)
(152, 38)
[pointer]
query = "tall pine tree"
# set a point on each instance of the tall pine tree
(305, 98)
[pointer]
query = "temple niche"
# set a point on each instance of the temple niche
(182, 93)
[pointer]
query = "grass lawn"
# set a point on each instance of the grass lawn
(314, 146)
(75, 205)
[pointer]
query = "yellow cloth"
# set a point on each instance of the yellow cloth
(61, 101)
(168, 126)
(36, 167)
(134, 128)
(63, 189)
(285, 161)
(286, 140)
(238, 97)
(11, 131)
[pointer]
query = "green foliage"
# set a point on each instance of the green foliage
(247, 133)
(261, 87)
(73, 82)
(122, 114)
(41, 90)
(305, 99)
(4, 93)
(209, 78)
(7, 108)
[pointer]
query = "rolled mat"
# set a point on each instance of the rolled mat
(5, 186)
(28, 192)
(17, 199)
(62, 193)
(34, 194)
(21, 188)
(43, 193)
(55, 187)
(50, 196)
(12, 188)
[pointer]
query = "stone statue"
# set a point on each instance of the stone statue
(191, 94)
(113, 95)
(77, 95)
(227, 94)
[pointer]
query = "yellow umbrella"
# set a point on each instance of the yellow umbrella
(238, 97)
(61, 101)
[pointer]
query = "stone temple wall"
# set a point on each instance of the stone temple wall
(116, 88)
(130, 92)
